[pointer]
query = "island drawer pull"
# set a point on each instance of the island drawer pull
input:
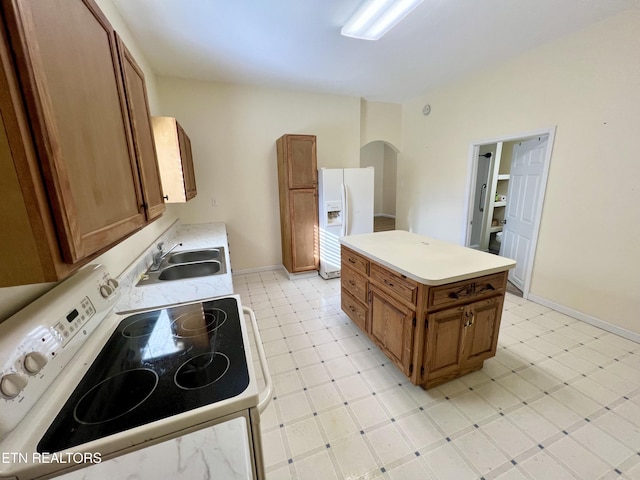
(461, 291)
(487, 287)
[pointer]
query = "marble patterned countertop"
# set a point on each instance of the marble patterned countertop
(426, 260)
(194, 236)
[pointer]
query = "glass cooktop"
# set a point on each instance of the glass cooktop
(155, 365)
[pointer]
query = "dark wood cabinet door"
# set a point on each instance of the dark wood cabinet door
(303, 168)
(145, 149)
(445, 342)
(392, 328)
(482, 330)
(71, 79)
(304, 229)
(188, 173)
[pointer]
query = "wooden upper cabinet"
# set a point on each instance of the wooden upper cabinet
(142, 131)
(175, 160)
(70, 172)
(70, 75)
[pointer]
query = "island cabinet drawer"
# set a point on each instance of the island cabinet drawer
(355, 261)
(354, 309)
(395, 283)
(463, 292)
(356, 284)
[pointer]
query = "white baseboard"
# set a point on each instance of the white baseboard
(596, 322)
(268, 268)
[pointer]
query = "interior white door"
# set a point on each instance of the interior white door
(525, 187)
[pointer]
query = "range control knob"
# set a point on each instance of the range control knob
(105, 291)
(113, 283)
(12, 384)
(33, 362)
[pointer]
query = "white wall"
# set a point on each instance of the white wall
(233, 130)
(383, 159)
(390, 181)
(372, 155)
(119, 257)
(381, 122)
(588, 85)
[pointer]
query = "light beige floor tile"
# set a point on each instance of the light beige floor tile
(303, 436)
(520, 431)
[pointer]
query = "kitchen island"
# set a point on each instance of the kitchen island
(432, 307)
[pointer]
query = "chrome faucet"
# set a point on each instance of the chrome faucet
(159, 255)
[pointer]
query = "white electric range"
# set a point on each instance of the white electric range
(80, 384)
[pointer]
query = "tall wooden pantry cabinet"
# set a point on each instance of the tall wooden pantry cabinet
(298, 190)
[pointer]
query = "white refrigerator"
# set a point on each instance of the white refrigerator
(346, 208)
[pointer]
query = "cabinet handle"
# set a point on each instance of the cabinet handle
(456, 295)
(387, 282)
(352, 283)
(166, 197)
(471, 318)
(351, 260)
(488, 286)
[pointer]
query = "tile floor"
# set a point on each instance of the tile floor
(560, 400)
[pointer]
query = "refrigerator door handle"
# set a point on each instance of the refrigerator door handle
(345, 211)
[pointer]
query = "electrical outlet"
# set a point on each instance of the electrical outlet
(213, 201)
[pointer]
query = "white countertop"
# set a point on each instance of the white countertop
(424, 259)
(195, 236)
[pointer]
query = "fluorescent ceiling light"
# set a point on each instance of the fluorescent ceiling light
(376, 17)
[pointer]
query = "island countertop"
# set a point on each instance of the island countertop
(426, 260)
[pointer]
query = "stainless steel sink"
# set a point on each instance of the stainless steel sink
(187, 264)
(190, 256)
(190, 270)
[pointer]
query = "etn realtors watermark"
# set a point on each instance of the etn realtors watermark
(56, 457)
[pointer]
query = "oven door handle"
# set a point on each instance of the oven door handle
(265, 395)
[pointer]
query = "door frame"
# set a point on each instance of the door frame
(474, 150)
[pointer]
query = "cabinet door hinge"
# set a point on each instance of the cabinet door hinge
(422, 371)
(426, 323)
(414, 321)
(410, 368)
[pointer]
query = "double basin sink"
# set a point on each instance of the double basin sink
(186, 264)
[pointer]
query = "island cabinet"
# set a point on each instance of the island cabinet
(432, 333)
(76, 174)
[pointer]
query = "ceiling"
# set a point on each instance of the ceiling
(296, 44)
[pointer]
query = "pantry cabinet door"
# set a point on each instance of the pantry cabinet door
(301, 161)
(76, 105)
(304, 229)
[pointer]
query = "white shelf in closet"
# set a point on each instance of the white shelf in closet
(503, 176)
(500, 204)
(496, 229)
